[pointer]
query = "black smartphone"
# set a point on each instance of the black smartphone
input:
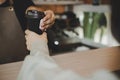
(33, 20)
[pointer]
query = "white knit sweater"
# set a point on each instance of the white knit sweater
(40, 66)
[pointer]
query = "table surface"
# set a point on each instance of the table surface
(83, 62)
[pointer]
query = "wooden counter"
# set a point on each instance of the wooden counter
(84, 62)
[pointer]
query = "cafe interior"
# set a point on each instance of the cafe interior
(81, 38)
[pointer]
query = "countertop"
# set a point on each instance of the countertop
(83, 62)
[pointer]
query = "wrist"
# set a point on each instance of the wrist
(39, 47)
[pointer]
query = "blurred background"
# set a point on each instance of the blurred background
(79, 25)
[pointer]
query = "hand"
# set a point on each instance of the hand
(32, 37)
(47, 21)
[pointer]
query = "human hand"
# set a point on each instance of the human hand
(32, 37)
(47, 21)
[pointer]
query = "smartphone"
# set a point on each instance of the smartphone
(33, 20)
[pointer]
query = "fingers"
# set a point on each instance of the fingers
(46, 26)
(27, 43)
(49, 14)
(27, 31)
(32, 35)
(48, 20)
(27, 39)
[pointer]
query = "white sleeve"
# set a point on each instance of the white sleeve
(40, 66)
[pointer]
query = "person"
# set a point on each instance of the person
(38, 65)
(13, 23)
(20, 7)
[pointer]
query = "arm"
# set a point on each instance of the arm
(20, 7)
(39, 65)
